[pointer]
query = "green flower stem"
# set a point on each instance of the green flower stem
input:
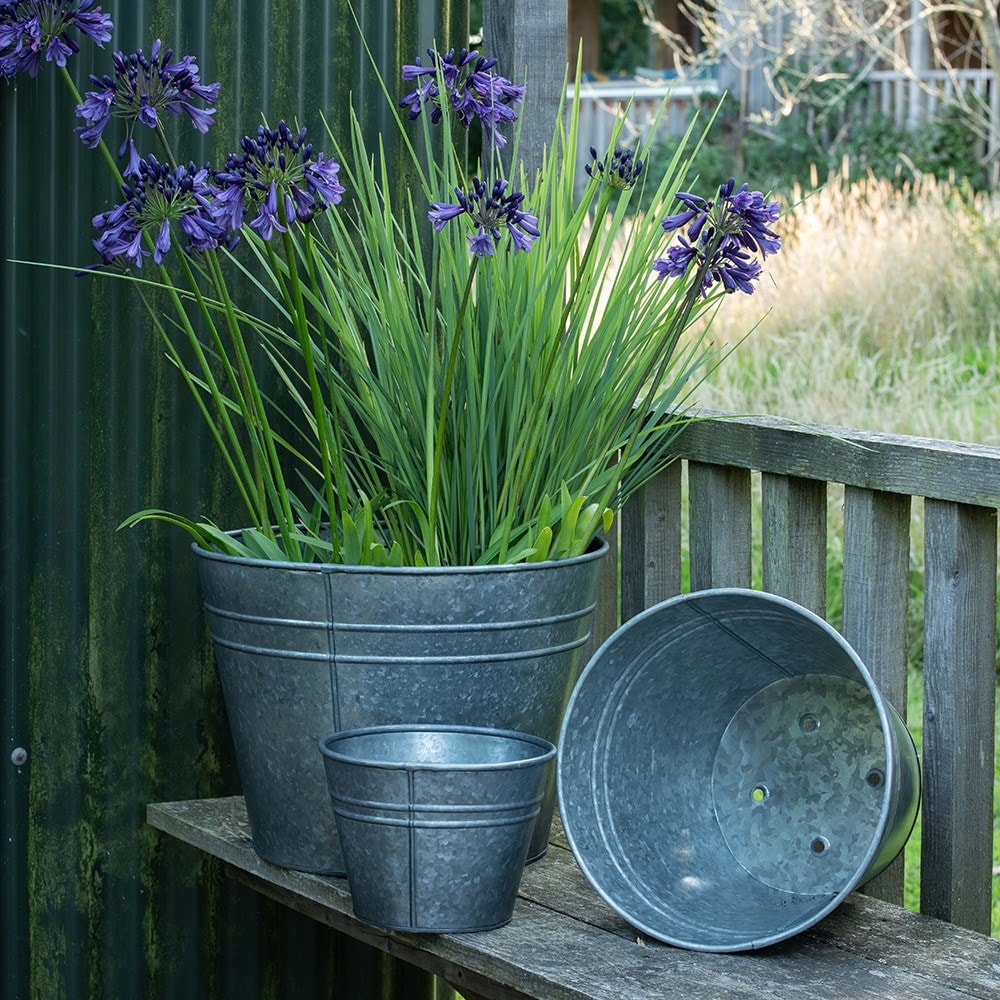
(245, 475)
(270, 463)
(162, 136)
(258, 507)
(435, 483)
(334, 496)
(101, 145)
(658, 364)
(196, 391)
(661, 361)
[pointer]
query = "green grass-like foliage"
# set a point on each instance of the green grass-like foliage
(381, 394)
(491, 404)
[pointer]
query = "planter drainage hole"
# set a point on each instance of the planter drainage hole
(819, 845)
(759, 793)
(875, 778)
(808, 723)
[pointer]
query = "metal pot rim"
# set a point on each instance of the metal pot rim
(596, 551)
(547, 750)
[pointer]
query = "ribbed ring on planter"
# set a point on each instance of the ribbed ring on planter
(306, 649)
(435, 821)
(729, 771)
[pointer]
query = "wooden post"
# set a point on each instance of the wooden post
(919, 43)
(960, 547)
(720, 533)
(651, 543)
(793, 536)
(529, 39)
(585, 33)
(877, 534)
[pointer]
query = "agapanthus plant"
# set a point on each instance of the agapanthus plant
(480, 369)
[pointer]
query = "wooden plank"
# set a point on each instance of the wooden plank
(946, 470)
(793, 536)
(937, 954)
(875, 593)
(960, 595)
(566, 943)
(719, 529)
(529, 39)
(605, 619)
(651, 543)
(876, 585)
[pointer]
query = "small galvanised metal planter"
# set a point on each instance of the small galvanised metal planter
(304, 650)
(435, 821)
(729, 771)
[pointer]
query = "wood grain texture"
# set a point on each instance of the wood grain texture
(566, 943)
(875, 592)
(960, 556)
(793, 536)
(529, 36)
(946, 470)
(651, 543)
(605, 618)
(876, 585)
(720, 532)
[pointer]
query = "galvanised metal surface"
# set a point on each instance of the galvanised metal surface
(304, 650)
(435, 821)
(106, 675)
(729, 772)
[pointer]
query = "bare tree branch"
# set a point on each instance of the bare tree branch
(937, 48)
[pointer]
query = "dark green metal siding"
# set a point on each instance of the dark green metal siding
(106, 674)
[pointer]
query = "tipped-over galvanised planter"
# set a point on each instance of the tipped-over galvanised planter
(729, 772)
(435, 821)
(304, 650)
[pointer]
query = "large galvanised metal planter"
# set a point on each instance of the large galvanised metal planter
(304, 650)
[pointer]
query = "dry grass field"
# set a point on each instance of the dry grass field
(882, 311)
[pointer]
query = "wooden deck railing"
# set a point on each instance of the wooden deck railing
(881, 476)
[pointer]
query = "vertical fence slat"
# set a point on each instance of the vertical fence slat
(793, 536)
(960, 554)
(875, 591)
(606, 617)
(720, 533)
(651, 543)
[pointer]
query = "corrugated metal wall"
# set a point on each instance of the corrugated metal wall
(106, 675)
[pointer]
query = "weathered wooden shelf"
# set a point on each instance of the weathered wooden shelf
(565, 943)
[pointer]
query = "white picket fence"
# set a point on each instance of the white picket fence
(906, 102)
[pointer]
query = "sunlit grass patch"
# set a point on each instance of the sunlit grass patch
(882, 311)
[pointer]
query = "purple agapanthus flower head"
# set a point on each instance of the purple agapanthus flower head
(619, 170)
(157, 199)
(31, 30)
(473, 91)
(724, 237)
(275, 179)
(490, 210)
(140, 90)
